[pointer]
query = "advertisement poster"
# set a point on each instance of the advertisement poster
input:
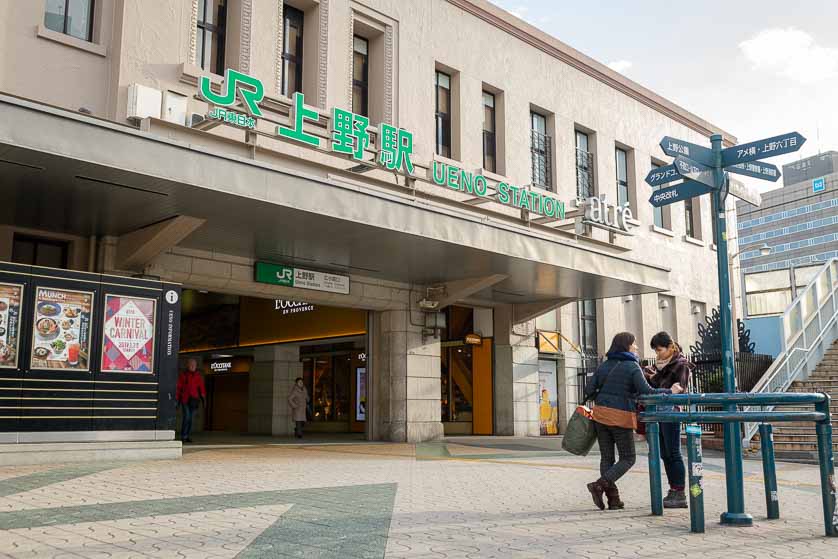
(128, 334)
(61, 335)
(361, 394)
(11, 296)
(548, 398)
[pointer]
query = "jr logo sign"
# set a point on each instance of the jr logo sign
(247, 88)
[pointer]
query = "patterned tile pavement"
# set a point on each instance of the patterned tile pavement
(489, 498)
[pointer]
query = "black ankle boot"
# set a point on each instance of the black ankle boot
(613, 495)
(597, 489)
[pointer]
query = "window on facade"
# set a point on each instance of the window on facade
(584, 166)
(657, 211)
(588, 326)
(622, 177)
(490, 161)
(292, 50)
(71, 17)
(212, 18)
(39, 252)
(443, 114)
(360, 76)
(541, 150)
(689, 217)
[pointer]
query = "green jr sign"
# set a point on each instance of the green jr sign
(287, 276)
(350, 136)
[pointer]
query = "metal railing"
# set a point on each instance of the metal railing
(541, 150)
(810, 326)
(734, 477)
(584, 174)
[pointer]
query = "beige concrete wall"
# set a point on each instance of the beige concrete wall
(150, 42)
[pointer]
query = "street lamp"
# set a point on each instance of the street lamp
(764, 250)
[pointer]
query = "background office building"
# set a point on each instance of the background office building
(799, 222)
(379, 197)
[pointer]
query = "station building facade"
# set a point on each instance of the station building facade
(431, 211)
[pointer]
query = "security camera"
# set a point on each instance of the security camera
(428, 305)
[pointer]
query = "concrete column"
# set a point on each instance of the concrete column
(405, 379)
(516, 375)
(273, 372)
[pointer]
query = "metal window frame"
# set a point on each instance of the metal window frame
(689, 218)
(625, 183)
(363, 83)
(585, 184)
(36, 242)
(490, 145)
(90, 19)
(219, 31)
(443, 120)
(292, 15)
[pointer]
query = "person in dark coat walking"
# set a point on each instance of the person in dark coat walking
(671, 367)
(614, 387)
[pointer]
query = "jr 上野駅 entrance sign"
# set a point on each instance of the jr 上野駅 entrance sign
(237, 102)
(705, 170)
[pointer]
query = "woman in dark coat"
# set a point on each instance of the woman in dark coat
(670, 367)
(614, 389)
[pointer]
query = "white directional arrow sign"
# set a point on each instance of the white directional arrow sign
(769, 147)
(756, 169)
(696, 171)
(675, 148)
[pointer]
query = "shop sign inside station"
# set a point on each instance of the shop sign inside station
(288, 276)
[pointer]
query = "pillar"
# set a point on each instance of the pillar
(273, 372)
(405, 379)
(516, 376)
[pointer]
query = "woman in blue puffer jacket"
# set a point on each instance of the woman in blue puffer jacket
(615, 386)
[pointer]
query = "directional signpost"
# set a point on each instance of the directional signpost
(679, 192)
(704, 172)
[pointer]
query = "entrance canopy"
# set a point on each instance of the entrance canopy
(71, 173)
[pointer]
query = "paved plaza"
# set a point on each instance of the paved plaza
(491, 497)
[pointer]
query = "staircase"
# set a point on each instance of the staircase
(798, 440)
(808, 362)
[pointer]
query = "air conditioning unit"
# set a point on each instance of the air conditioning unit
(143, 102)
(195, 119)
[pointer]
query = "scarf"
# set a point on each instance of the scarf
(660, 364)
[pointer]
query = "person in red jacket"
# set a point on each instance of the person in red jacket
(190, 390)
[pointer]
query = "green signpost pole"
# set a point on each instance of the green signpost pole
(735, 514)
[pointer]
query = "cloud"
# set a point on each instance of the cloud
(791, 53)
(620, 65)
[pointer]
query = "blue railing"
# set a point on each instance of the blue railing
(732, 415)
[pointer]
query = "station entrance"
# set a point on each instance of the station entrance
(250, 350)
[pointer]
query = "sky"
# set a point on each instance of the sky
(755, 68)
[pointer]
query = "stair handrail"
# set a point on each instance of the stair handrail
(801, 345)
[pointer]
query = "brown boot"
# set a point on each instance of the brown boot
(597, 490)
(613, 494)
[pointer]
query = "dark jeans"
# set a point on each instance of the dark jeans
(186, 426)
(298, 428)
(673, 462)
(609, 438)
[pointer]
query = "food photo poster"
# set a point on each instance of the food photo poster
(11, 296)
(61, 333)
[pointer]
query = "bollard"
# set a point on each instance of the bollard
(654, 441)
(696, 472)
(826, 461)
(769, 471)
